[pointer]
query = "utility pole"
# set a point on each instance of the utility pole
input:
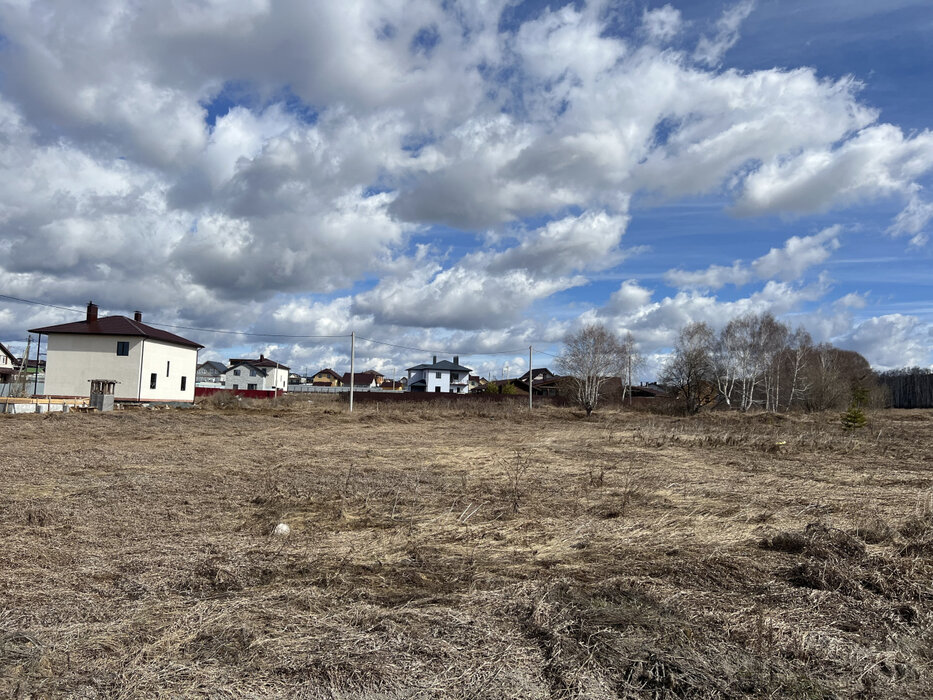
(530, 380)
(352, 359)
(35, 386)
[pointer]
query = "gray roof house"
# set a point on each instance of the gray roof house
(442, 377)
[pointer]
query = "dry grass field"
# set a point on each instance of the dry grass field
(471, 552)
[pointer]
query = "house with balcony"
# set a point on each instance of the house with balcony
(444, 377)
(211, 374)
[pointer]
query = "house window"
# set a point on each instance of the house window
(437, 375)
(184, 381)
(123, 347)
(251, 387)
(236, 373)
(252, 373)
(454, 377)
(168, 365)
(152, 380)
(437, 390)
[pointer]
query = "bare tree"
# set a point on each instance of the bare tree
(633, 361)
(592, 356)
(772, 338)
(18, 384)
(690, 369)
(794, 360)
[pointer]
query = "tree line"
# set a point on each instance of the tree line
(758, 361)
(754, 361)
(910, 387)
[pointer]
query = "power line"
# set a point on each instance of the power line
(169, 325)
(40, 303)
(438, 352)
(276, 335)
(257, 335)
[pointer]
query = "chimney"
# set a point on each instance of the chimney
(435, 360)
(261, 357)
(91, 311)
(456, 359)
(138, 316)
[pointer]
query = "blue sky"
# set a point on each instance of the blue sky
(470, 177)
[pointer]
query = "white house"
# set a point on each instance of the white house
(8, 364)
(256, 375)
(210, 374)
(147, 363)
(442, 377)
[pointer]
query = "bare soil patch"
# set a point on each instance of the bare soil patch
(464, 552)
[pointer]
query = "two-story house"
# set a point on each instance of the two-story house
(442, 377)
(256, 375)
(147, 364)
(211, 374)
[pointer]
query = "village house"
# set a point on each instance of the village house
(326, 377)
(537, 374)
(8, 365)
(256, 375)
(442, 377)
(147, 363)
(211, 374)
(477, 383)
(368, 379)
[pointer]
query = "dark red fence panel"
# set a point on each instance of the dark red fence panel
(200, 391)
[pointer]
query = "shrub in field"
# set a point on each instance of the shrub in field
(855, 417)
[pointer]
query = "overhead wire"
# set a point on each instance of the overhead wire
(278, 335)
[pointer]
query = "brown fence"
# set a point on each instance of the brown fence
(428, 396)
(245, 393)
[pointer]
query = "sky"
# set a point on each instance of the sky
(468, 178)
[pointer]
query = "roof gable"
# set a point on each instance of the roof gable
(9, 354)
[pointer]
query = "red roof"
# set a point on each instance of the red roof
(116, 325)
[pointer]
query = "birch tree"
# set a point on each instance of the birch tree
(592, 357)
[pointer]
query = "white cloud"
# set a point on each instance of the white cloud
(890, 341)
(710, 50)
(661, 24)
(797, 255)
(879, 161)
(788, 263)
(339, 133)
(713, 277)
(913, 220)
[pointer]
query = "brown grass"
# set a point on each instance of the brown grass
(464, 552)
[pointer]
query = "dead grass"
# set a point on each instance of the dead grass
(464, 551)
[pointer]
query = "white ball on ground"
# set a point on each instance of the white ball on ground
(282, 530)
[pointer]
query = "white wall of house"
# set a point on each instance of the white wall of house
(279, 378)
(169, 363)
(72, 360)
(435, 382)
(276, 378)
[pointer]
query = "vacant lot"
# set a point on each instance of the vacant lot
(469, 553)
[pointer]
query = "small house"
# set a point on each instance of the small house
(327, 377)
(210, 374)
(256, 375)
